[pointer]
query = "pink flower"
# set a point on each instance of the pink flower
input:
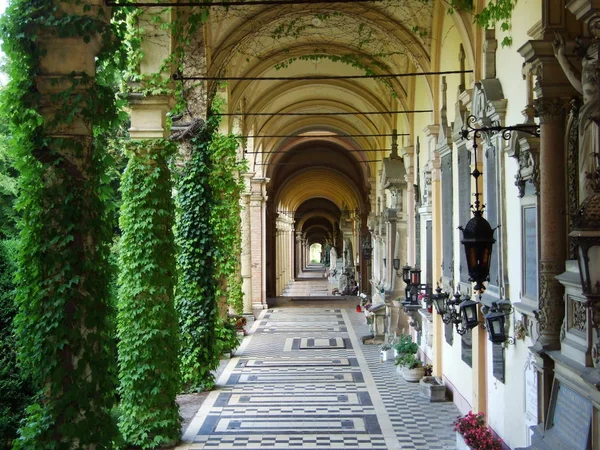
(475, 432)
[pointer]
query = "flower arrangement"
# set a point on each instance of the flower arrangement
(428, 370)
(475, 432)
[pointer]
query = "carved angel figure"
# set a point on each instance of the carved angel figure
(586, 83)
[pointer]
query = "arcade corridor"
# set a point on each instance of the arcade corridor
(303, 379)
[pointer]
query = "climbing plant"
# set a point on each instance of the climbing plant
(225, 217)
(196, 292)
(62, 326)
(147, 321)
(208, 236)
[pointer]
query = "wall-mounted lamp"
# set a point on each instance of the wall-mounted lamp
(495, 321)
(461, 311)
(478, 235)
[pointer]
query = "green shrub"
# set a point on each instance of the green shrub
(15, 390)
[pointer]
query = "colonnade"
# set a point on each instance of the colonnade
(284, 252)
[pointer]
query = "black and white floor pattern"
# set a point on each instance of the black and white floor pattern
(303, 380)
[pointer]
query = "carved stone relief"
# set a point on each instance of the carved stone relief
(525, 149)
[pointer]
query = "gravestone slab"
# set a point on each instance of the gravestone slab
(569, 419)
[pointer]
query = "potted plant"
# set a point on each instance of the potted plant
(412, 367)
(404, 344)
(408, 364)
(385, 350)
(473, 433)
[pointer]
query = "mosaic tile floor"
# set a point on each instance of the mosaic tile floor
(302, 379)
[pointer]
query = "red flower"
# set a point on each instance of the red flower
(476, 433)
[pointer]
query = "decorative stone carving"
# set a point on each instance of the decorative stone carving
(549, 109)
(427, 187)
(551, 307)
(579, 314)
(488, 103)
(525, 149)
(585, 81)
(573, 168)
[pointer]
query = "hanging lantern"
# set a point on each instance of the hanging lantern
(468, 313)
(415, 276)
(440, 300)
(406, 274)
(396, 264)
(478, 239)
(384, 262)
(495, 321)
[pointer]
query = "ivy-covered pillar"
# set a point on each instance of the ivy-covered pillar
(148, 347)
(246, 257)
(53, 102)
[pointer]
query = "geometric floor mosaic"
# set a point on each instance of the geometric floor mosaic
(303, 380)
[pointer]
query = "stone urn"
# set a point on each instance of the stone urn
(413, 375)
(432, 388)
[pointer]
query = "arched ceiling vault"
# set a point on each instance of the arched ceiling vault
(366, 92)
(395, 25)
(320, 214)
(318, 183)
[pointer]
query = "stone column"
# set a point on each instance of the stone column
(553, 91)
(246, 256)
(69, 206)
(277, 259)
(390, 250)
(298, 253)
(258, 200)
(552, 222)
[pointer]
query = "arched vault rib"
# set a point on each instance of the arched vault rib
(337, 89)
(330, 218)
(318, 183)
(374, 121)
(264, 65)
(262, 22)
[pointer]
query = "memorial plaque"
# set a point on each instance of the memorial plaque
(498, 361)
(464, 202)
(449, 333)
(447, 213)
(530, 256)
(466, 348)
(491, 209)
(531, 391)
(569, 419)
(429, 252)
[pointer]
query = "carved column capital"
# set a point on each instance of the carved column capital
(550, 109)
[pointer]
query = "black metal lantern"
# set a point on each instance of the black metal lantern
(478, 239)
(468, 313)
(586, 235)
(396, 264)
(415, 276)
(440, 300)
(384, 262)
(495, 321)
(406, 274)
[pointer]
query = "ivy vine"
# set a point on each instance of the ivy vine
(63, 330)
(147, 320)
(196, 296)
(208, 235)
